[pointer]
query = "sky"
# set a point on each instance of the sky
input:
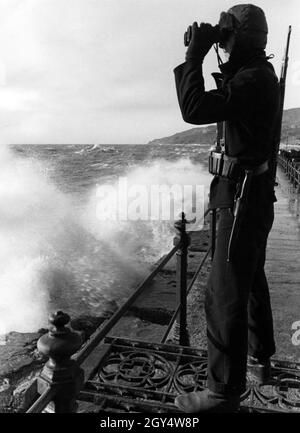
(101, 71)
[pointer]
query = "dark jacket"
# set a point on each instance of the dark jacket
(248, 102)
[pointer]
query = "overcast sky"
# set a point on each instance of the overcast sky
(101, 71)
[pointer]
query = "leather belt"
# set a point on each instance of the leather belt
(233, 168)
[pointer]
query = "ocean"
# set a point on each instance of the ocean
(60, 246)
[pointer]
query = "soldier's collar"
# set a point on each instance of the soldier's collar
(239, 60)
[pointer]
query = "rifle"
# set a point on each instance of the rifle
(219, 143)
(278, 125)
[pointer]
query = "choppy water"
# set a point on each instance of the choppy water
(54, 250)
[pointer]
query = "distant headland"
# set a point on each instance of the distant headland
(206, 134)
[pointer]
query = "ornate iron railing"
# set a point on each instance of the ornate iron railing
(134, 376)
(62, 378)
(291, 167)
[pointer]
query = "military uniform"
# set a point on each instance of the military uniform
(238, 311)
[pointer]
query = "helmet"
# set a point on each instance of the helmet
(249, 24)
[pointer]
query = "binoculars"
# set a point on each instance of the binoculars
(220, 35)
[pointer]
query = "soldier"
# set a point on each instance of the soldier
(237, 305)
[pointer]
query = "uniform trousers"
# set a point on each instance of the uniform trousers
(237, 302)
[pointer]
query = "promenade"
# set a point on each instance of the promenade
(283, 268)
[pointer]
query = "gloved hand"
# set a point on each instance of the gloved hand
(203, 37)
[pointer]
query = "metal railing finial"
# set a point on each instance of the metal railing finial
(181, 239)
(60, 373)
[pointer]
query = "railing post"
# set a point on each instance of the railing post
(61, 372)
(180, 328)
(213, 231)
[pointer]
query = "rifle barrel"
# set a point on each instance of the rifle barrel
(278, 127)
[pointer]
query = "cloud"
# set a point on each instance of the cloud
(103, 69)
(12, 99)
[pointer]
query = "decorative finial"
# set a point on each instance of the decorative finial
(58, 320)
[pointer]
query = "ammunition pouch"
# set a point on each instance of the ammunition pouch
(232, 168)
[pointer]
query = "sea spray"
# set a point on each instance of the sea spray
(151, 236)
(31, 210)
(56, 254)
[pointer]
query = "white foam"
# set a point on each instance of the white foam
(31, 211)
(51, 251)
